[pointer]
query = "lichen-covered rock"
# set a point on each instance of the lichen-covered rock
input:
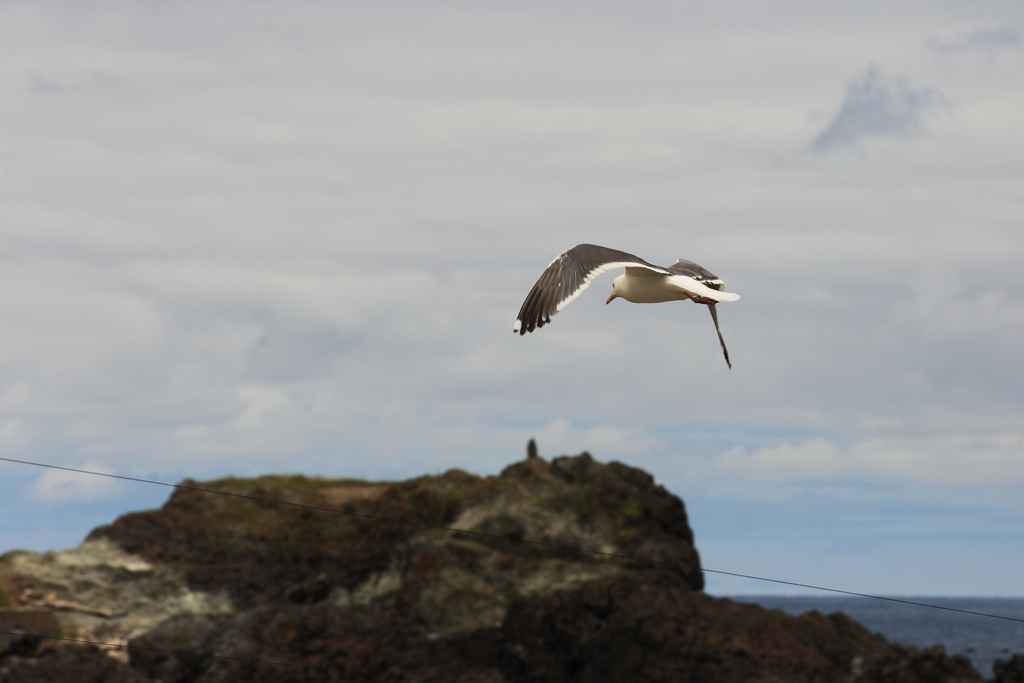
(265, 581)
(98, 591)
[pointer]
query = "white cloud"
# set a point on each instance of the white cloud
(63, 487)
(954, 459)
(231, 247)
(989, 40)
(562, 438)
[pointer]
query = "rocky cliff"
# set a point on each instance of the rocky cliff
(271, 583)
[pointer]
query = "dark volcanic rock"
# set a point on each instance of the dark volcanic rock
(20, 628)
(513, 596)
(83, 664)
(259, 550)
(1011, 671)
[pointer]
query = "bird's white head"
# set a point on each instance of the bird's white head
(615, 290)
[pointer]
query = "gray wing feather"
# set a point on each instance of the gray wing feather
(698, 273)
(566, 277)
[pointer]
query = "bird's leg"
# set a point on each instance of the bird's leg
(702, 300)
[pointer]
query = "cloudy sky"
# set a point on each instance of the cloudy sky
(240, 238)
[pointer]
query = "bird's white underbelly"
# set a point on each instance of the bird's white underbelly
(650, 289)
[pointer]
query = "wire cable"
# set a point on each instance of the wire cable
(427, 525)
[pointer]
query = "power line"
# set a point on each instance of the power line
(427, 525)
(866, 595)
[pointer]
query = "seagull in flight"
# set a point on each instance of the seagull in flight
(643, 283)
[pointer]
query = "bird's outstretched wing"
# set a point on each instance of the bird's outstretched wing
(704, 286)
(699, 273)
(567, 276)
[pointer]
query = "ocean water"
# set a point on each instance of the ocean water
(983, 639)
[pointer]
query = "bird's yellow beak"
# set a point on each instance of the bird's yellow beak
(609, 299)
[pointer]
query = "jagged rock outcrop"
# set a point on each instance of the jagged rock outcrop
(1010, 671)
(271, 573)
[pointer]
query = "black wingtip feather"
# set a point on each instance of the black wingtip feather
(725, 351)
